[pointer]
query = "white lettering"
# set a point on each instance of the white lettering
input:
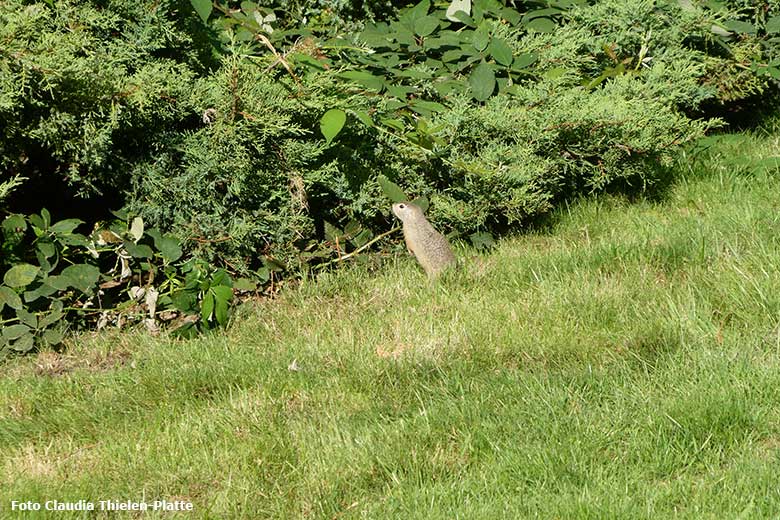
(25, 506)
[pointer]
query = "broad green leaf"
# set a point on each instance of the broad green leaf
(203, 8)
(364, 118)
(223, 293)
(395, 124)
(541, 24)
(24, 344)
(245, 284)
(365, 79)
(185, 301)
(500, 51)
(12, 332)
(331, 123)
(221, 277)
(21, 275)
(482, 82)
(53, 337)
(427, 107)
(43, 290)
(55, 315)
(138, 250)
(481, 36)
(482, 240)
(391, 189)
(169, 248)
(66, 226)
(524, 60)
(81, 276)
(741, 27)
(419, 10)
(422, 203)
(10, 298)
(207, 307)
(14, 225)
(37, 221)
(47, 249)
(455, 6)
(554, 73)
(426, 25)
(773, 25)
(221, 311)
(58, 282)
(332, 232)
(27, 317)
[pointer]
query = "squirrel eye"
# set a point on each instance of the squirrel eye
(401, 206)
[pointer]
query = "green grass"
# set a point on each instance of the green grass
(622, 362)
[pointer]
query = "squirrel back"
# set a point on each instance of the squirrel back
(430, 247)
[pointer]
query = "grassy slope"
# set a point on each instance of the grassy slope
(622, 363)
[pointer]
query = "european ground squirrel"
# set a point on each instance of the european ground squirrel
(427, 245)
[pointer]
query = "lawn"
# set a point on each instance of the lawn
(621, 360)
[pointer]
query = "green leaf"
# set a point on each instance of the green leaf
(332, 232)
(207, 307)
(24, 344)
(426, 107)
(47, 249)
(245, 284)
(422, 203)
(81, 276)
(364, 118)
(66, 226)
(741, 27)
(221, 312)
(169, 248)
(773, 25)
(482, 240)
(37, 221)
(20, 275)
(185, 301)
(426, 25)
(55, 315)
(138, 250)
(541, 24)
(53, 337)
(419, 10)
(391, 189)
(482, 81)
(481, 36)
(331, 123)
(524, 60)
(223, 293)
(221, 277)
(203, 8)
(13, 332)
(14, 225)
(27, 317)
(10, 298)
(365, 79)
(500, 51)
(554, 73)
(58, 282)
(43, 290)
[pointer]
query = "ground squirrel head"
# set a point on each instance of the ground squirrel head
(407, 211)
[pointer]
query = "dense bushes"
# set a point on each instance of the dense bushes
(211, 131)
